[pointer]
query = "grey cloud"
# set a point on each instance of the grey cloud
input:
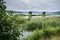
(33, 4)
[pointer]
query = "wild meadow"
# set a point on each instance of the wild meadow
(12, 26)
(45, 28)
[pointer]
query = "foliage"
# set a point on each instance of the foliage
(20, 19)
(36, 35)
(44, 14)
(9, 29)
(43, 34)
(34, 24)
(30, 15)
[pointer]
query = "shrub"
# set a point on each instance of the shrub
(9, 29)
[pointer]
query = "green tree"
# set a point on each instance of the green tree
(44, 14)
(30, 15)
(9, 29)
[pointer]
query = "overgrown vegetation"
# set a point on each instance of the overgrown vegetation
(12, 26)
(43, 34)
(43, 28)
(9, 28)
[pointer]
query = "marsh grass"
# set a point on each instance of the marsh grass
(43, 28)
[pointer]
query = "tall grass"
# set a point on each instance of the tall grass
(34, 24)
(43, 29)
(43, 34)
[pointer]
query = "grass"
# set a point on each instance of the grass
(41, 23)
(45, 28)
(48, 33)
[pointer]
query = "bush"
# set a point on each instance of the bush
(9, 29)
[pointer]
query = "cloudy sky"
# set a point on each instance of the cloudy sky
(39, 5)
